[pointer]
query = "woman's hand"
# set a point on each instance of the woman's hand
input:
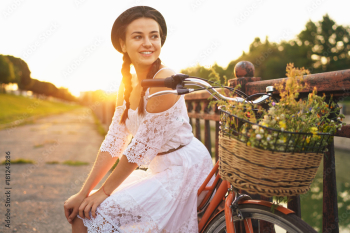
(71, 206)
(90, 204)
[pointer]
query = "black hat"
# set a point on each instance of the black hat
(115, 35)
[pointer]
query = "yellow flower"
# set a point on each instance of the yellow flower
(308, 140)
(282, 124)
(264, 124)
(313, 130)
(248, 143)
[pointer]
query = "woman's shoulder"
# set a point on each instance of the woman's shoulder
(164, 70)
(161, 103)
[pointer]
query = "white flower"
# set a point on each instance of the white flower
(339, 118)
(282, 116)
(282, 129)
(332, 121)
(261, 130)
(255, 126)
(339, 129)
(268, 138)
(258, 136)
(277, 118)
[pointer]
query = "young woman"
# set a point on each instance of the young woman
(164, 197)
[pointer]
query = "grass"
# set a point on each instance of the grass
(52, 162)
(74, 163)
(19, 161)
(29, 161)
(115, 164)
(99, 126)
(14, 108)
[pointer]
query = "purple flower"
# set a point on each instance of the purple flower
(273, 103)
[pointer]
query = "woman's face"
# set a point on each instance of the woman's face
(142, 35)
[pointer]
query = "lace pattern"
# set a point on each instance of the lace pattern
(118, 136)
(112, 217)
(162, 199)
(154, 131)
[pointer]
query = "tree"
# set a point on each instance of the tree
(320, 47)
(22, 72)
(7, 73)
(328, 45)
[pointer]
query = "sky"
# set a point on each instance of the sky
(68, 43)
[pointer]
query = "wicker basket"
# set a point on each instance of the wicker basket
(264, 172)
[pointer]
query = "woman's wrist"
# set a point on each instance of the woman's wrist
(103, 189)
(84, 193)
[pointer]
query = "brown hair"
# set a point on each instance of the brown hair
(127, 19)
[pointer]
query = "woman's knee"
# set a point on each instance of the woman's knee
(78, 226)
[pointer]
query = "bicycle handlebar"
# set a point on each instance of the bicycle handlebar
(178, 83)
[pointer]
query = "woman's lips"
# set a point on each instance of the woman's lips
(146, 55)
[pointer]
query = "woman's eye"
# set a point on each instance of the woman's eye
(155, 36)
(136, 37)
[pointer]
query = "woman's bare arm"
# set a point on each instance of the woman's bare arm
(103, 163)
(120, 173)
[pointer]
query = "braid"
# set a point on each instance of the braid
(153, 70)
(127, 85)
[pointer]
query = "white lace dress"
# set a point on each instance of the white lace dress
(163, 198)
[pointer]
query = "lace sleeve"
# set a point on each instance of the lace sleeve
(117, 137)
(154, 131)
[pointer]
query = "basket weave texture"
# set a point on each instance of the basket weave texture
(263, 172)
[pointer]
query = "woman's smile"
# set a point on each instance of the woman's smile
(147, 53)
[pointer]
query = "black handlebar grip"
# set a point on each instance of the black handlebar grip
(153, 83)
(166, 82)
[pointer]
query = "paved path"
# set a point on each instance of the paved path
(38, 191)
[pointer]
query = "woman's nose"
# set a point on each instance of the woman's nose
(147, 43)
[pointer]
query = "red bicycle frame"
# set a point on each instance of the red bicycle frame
(220, 196)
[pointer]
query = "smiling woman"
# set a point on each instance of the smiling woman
(164, 197)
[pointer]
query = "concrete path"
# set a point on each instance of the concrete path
(39, 191)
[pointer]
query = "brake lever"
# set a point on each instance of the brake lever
(175, 80)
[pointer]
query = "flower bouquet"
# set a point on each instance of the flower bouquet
(276, 151)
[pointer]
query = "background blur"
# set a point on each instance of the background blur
(67, 43)
(56, 56)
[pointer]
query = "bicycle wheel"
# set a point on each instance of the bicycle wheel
(263, 220)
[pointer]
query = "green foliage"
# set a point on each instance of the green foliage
(7, 73)
(289, 114)
(321, 47)
(22, 72)
(15, 70)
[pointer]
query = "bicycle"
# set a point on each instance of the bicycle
(223, 208)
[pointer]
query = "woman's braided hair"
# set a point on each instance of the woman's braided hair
(128, 18)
